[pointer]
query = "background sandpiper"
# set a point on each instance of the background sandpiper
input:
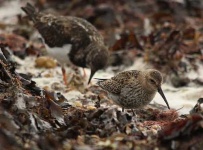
(70, 39)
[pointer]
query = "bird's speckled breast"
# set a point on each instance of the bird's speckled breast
(139, 102)
(134, 100)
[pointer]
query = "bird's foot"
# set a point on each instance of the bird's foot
(64, 75)
(133, 112)
(84, 73)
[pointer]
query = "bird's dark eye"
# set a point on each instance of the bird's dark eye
(152, 81)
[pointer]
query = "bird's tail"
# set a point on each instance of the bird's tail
(30, 11)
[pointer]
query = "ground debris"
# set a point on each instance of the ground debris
(184, 133)
(46, 120)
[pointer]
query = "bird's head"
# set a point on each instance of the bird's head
(153, 82)
(97, 59)
(153, 79)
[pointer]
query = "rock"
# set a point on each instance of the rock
(45, 62)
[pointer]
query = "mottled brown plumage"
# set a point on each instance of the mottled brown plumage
(133, 89)
(70, 39)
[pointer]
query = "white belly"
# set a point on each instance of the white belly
(60, 53)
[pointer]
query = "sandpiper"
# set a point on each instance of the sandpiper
(70, 39)
(134, 89)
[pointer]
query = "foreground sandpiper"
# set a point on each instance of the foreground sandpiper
(134, 89)
(70, 39)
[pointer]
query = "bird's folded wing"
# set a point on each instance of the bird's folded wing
(123, 77)
(58, 31)
(52, 31)
(111, 86)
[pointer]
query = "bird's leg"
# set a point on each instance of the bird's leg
(122, 109)
(133, 112)
(84, 73)
(64, 75)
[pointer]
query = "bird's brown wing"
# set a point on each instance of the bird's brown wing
(118, 82)
(125, 76)
(58, 31)
(93, 33)
(111, 86)
(50, 27)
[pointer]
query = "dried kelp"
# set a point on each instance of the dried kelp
(184, 133)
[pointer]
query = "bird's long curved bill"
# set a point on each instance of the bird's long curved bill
(91, 75)
(163, 96)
